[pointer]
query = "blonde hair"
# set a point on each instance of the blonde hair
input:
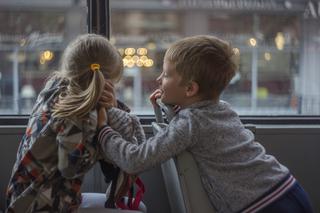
(84, 85)
(207, 60)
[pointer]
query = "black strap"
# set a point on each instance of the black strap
(111, 174)
(110, 202)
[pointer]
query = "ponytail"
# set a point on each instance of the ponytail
(76, 102)
(84, 63)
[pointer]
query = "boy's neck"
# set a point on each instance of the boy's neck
(197, 99)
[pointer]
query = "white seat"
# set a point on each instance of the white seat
(94, 203)
(183, 184)
(195, 197)
(104, 210)
(181, 175)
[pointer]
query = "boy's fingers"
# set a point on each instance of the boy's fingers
(154, 96)
(102, 117)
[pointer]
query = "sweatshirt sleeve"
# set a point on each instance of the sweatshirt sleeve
(126, 124)
(134, 158)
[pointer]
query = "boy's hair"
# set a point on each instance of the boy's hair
(207, 60)
(85, 85)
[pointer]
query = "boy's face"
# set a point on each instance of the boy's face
(173, 92)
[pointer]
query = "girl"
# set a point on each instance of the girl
(58, 147)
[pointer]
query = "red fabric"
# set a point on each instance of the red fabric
(133, 204)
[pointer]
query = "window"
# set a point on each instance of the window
(33, 35)
(278, 43)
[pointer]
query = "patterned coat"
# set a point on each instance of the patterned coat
(53, 157)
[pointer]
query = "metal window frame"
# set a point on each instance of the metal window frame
(9, 120)
(98, 18)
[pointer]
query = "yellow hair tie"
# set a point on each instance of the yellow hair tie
(95, 67)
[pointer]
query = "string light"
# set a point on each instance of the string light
(121, 51)
(267, 56)
(279, 40)
(45, 56)
(142, 51)
(236, 51)
(129, 51)
(252, 42)
(130, 59)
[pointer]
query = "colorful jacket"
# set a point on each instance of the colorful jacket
(53, 157)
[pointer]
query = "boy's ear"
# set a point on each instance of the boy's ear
(192, 89)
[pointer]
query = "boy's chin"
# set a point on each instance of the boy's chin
(165, 101)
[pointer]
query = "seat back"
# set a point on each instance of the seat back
(195, 197)
(183, 184)
(181, 175)
(94, 202)
(103, 210)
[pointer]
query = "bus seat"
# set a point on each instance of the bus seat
(94, 203)
(183, 184)
(181, 176)
(104, 210)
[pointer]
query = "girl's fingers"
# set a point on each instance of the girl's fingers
(107, 98)
(106, 106)
(106, 103)
(109, 86)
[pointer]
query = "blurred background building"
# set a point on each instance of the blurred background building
(278, 43)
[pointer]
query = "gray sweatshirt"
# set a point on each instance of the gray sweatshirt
(234, 169)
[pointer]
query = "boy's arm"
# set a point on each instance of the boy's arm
(134, 158)
(127, 125)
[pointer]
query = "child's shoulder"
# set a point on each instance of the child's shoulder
(207, 110)
(224, 103)
(116, 115)
(186, 115)
(204, 106)
(123, 106)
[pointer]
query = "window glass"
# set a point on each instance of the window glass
(33, 35)
(278, 43)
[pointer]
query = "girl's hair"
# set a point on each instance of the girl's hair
(207, 60)
(84, 84)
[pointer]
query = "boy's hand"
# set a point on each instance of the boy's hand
(108, 98)
(154, 96)
(102, 117)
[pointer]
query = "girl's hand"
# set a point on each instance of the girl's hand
(102, 117)
(154, 96)
(108, 98)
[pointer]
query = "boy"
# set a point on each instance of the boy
(235, 170)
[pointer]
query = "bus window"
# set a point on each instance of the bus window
(278, 43)
(33, 35)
